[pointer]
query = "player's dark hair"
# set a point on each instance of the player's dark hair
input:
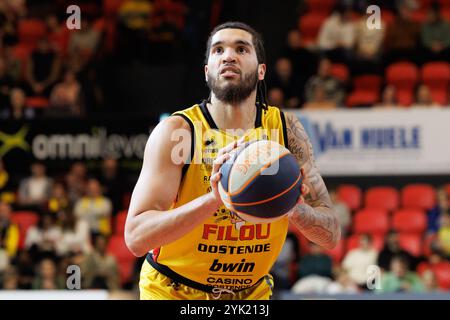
(261, 89)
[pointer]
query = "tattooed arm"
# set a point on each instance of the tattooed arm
(314, 218)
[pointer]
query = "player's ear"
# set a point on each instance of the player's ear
(206, 72)
(261, 71)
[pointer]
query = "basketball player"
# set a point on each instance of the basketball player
(196, 249)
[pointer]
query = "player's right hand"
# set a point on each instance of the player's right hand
(222, 156)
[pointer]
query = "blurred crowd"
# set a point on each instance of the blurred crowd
(334, 59)
(409, 252)
(50, 222)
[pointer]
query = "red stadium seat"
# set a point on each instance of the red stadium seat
(446, 14)
(442, 272)
(404, 77)
(366, 91)
(373, 221)
(422, 267)
(337, 253)
(25, 220)
(436, 76)
(428, 242)
(368, 82)
(409, 220)
(340, 71)
(320, 6)
(119, 222)
(351, 195)
(444, 4)
(412, 243)
(424, 4)
(309, 26)
(420, 196)
(37, 102)
(302, 240)
(30, 31)
(110, 7)
(387, 17)
(124, 258)
(362, 98)
(386, 198)
(419, 15)
(353, 242)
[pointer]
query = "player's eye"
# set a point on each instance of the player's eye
(218, 50)
(242, 50)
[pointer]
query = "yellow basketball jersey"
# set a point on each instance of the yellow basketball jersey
(224, 251)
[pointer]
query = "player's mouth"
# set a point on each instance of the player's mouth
(230, 72)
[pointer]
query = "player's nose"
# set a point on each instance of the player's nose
(229, 55)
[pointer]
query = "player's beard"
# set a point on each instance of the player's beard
(234, 92)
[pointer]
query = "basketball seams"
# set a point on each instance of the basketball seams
(257, 174)
(268, 199)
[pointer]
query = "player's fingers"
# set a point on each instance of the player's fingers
(215, 177)
(227, 148)
(217, 163)
(304, 189)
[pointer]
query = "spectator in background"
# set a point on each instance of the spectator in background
(288, 258)
(285, 80)
(83, 45)
(389, 98)
(342, 284)
(368, 47)
(391, 249)
(333, 88)
(95, 209)
(35, 190)
(43, 69)
(9, 231)
(342, 211)
(337, 35)
(7, 192)
(25, 268)
(76, 181)
(47, 277)
(401, 38)
(58, 200)
(430, 282)
(65, 97)
(424, 98)
(13, 65)
(58, 34)
(319, 100)
(276, 98)
(442, 207)
(134, 25)
(113, 181)
(444, 234)
(8, 25)
(99, 269)
(357, 260)
(315, 263)
(41, 240)
(400, 278)
(304, 62)
(10, 279)
(6, 84)
(18, 110)
(435, 36)
(75, 235)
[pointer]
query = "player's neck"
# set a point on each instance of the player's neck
(233, 116)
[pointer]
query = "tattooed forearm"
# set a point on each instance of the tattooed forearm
(318, 224)
(315, 218)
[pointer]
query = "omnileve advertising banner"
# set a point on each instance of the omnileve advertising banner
(58, 143)
(379, 142)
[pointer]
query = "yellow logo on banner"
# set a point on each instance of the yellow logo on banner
(11, 141)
